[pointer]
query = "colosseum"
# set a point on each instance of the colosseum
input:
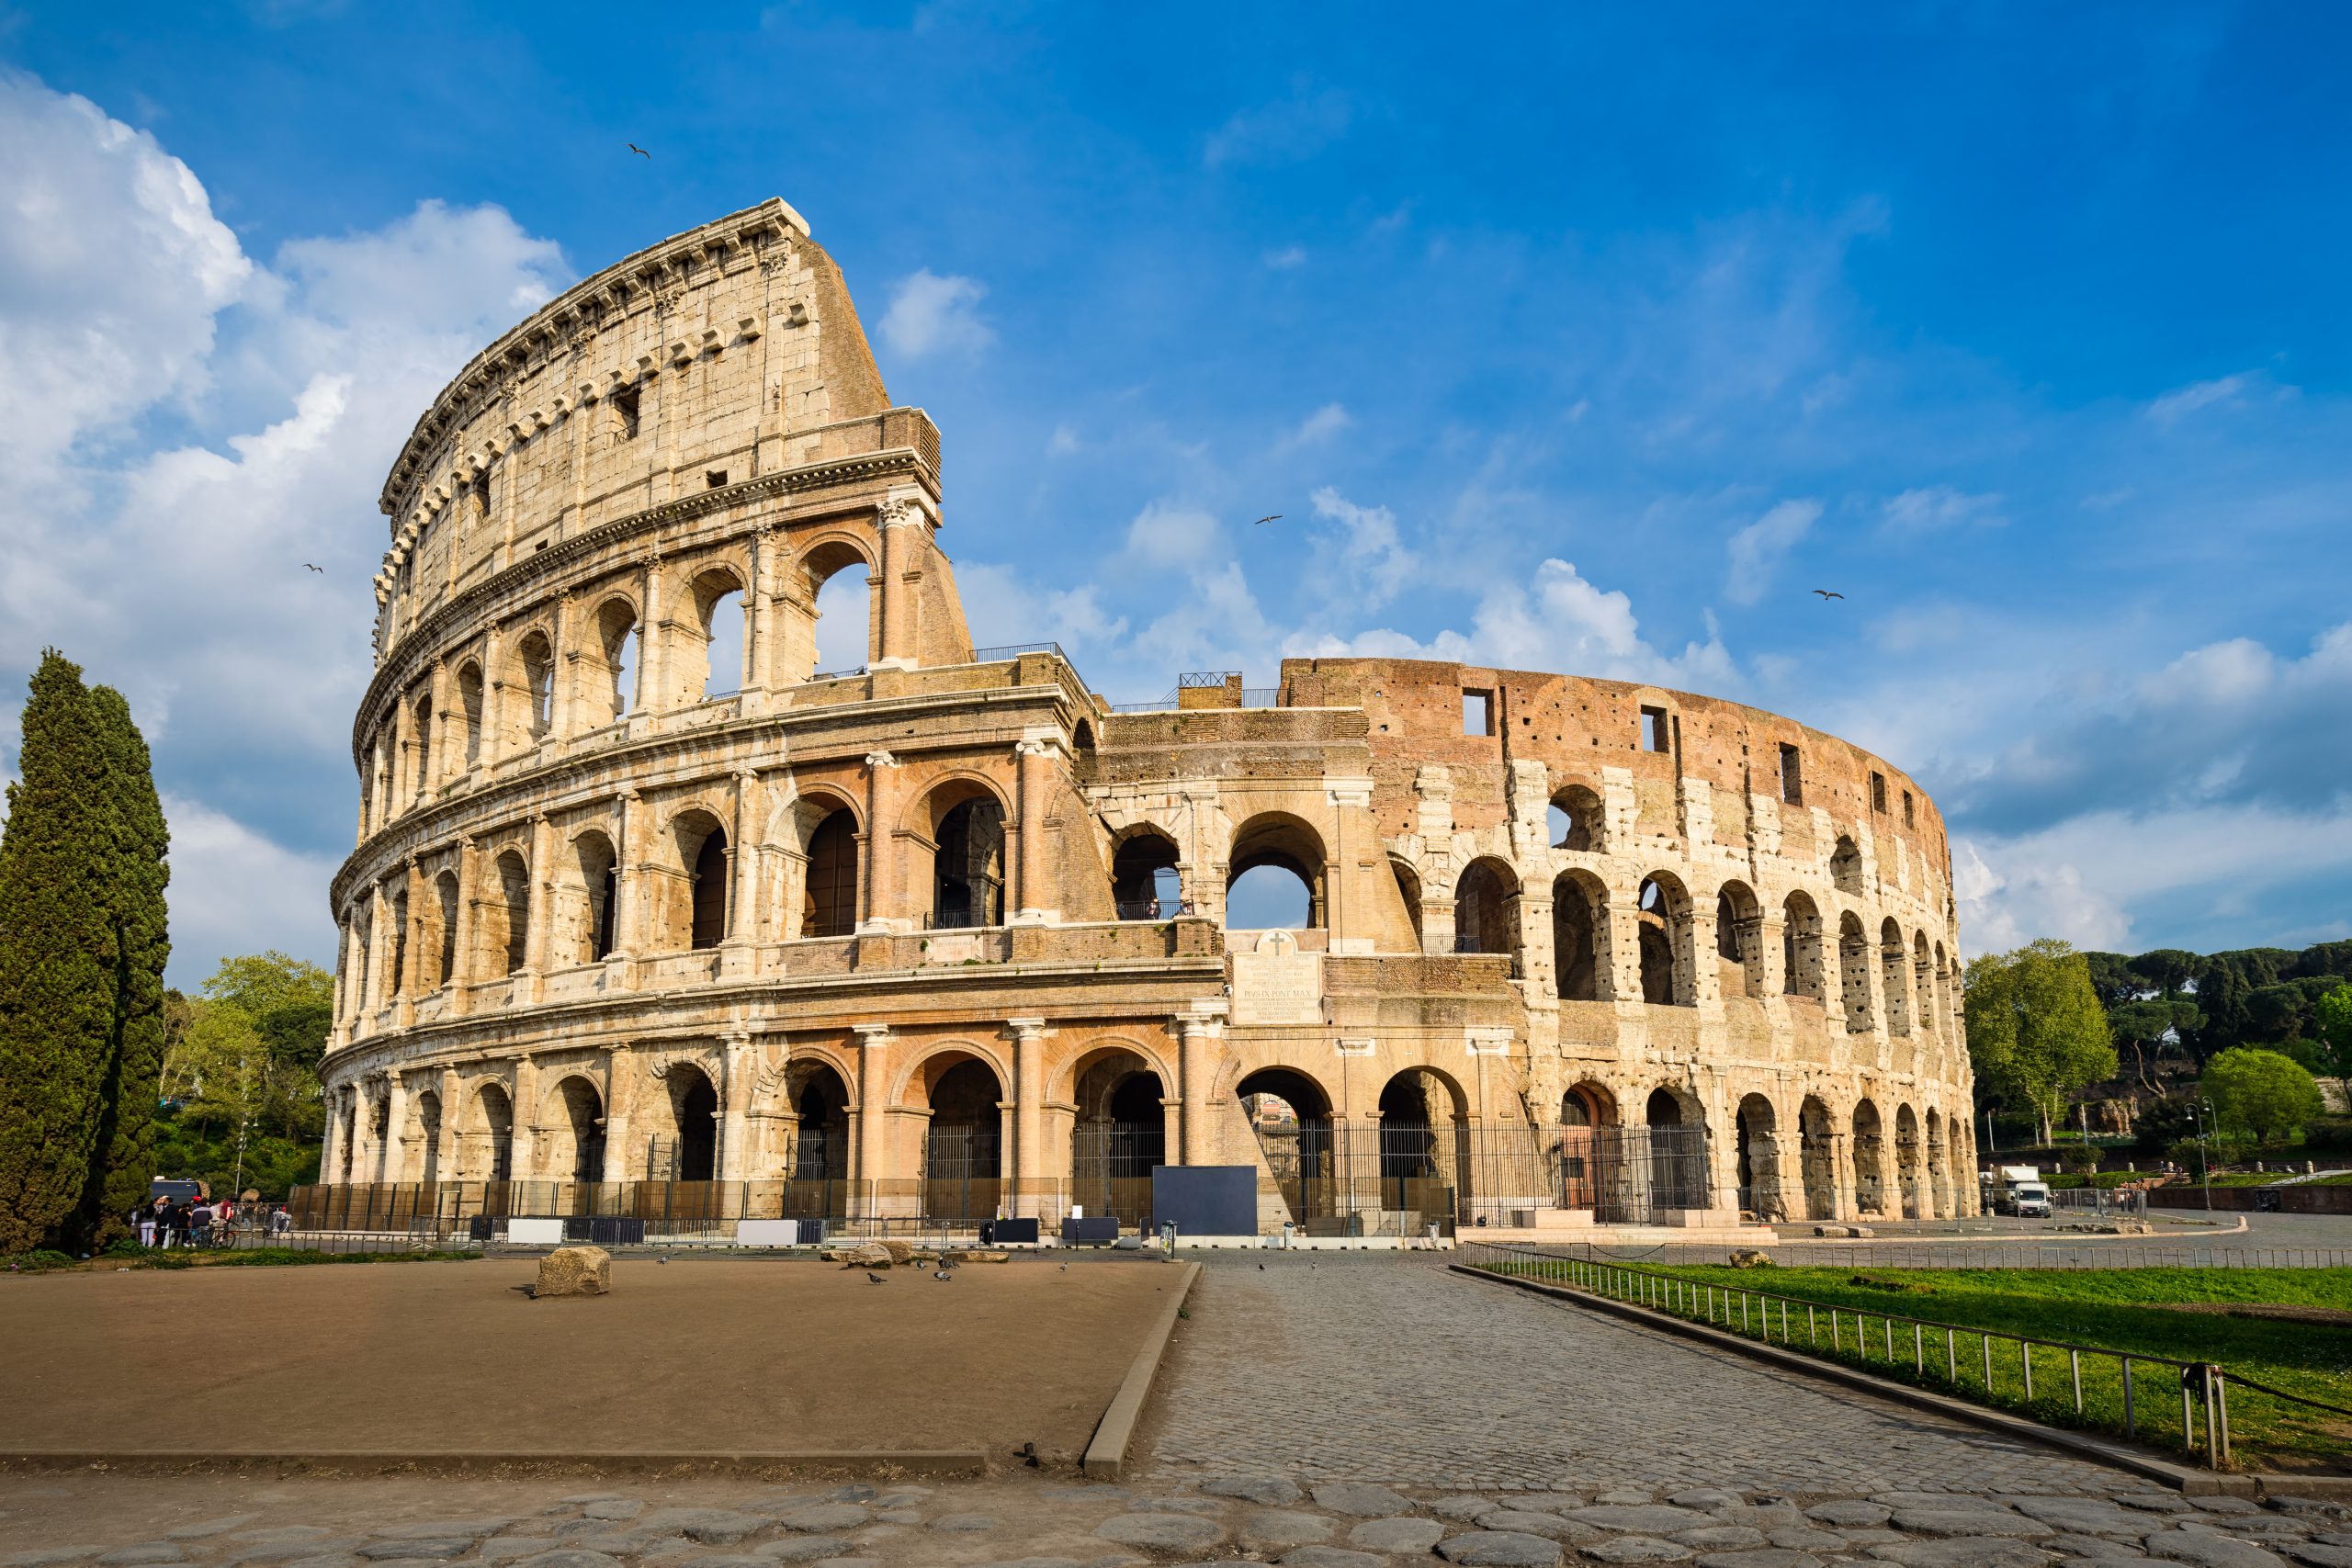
(646, 908)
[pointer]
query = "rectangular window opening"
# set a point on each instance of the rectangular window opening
(1655, 734)
(625, 406)
(1878, 791)
(1910, 820)
(1478, 713)
(1792, 776)
(717, 479)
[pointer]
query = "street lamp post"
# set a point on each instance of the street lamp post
(2202, 1109)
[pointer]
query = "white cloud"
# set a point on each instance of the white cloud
(1286, 258)
(1291, 129)
(1757, 550)
(1941, 506)
(2199, 394)
(1370, 564)
(1062, 442)
(1172, 534)
(1323, 423)
(234, 891)
(929, 314)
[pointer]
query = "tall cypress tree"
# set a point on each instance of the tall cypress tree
(56, 959)
(122, 1156)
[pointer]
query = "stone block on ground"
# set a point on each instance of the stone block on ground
(1271, 1490)
(867, 1254)
(1962, 1551)
(1750, 1257)
(1281, 1529)
(574, 1271)
(2205, 1551)
(1500, 1548)
(1625, 1549)
(1328, 1557)
(1409, 1535)
(1163, 1532)
(1361, 1497)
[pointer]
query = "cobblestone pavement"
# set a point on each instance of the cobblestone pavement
(1386, 1367)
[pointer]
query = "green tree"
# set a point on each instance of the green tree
(2331, 1023)
(59, 960)
(2261, 1093)
(243, 1063)
(2036, 1031)
(122, 1154)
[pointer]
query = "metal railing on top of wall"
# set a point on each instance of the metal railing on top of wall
(2116, 1397)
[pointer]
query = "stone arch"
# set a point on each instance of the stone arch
(506, 924)
(1817, 1158)
(571, 1136)
(1301, 1091)
(1576, 821)
(1846, 866)
(1290, 1112)
(720, 633)
(826, 828)
(1907, 1164)
(963, 821)
(1676, 1133)
(485, 1134)
(593, 898)
(1119, 1133)
(1939, 1169)
(963, 1139)
(1146, 884)
(447, 898)
(820, 562)
(421, 748)
(1288, 843)
(1662, 924)
(1801, 955)
(1923, 986)
(1944, 1020)
(1870, 1158)
(688, 1150)
(1739, 941)
(1895, 977)
(428, 1111)
(1408, 888)
(1588, 1151)
(1424, 1149)
(1583, 969)
(1758, 1158)
(687, 906)
(1854, 973)
(1485, 907)
(811, 1134)
(530, 670)
(469, 695)
(611, 662)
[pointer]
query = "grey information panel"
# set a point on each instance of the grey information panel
(1205, 1199)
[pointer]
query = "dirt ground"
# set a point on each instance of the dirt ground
(691, 1357)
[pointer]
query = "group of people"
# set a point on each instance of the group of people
(168, 1222)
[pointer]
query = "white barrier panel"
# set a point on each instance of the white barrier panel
(767, 1233)
(535, 1233)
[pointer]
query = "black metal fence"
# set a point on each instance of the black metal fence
(1111, 1168)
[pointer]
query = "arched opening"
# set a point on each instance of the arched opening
(842, 637)
(813, 1122)
(1854, 973)
(830, 906)
(511, 940)
(486, 1139)
(962, 1164)
(598, 900)
(1943, 991)
(470, 710)
(1870, 1167)
(1662, 916)
(1120, 1135)
(1486, 909)
(575, 1144)
(1938, 1170)
(1906, 1160)
(968, 867)
(1759, 1160)
(1923, 984)
(1409, 890)
(421, 748)
(1739, 941)
(617, 652)
(1292, 1116)
(1678, 1140)
(535, 667)
(428, 1132)
(1846, 866)
(1587, 1151)
(1573, 819)
(445, 895)
(692, 1151)
(1894, 978)
(1145, 884)
(720, 621)
(1800, 947)
(399, 977)
(1817, 1158)
(708, 892)
(1581, 937)
(1274, 876)
(1422, 1164)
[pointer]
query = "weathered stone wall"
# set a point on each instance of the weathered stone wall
(598, 937)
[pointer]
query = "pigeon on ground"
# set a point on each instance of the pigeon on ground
(874, 1278)
(941, 1274)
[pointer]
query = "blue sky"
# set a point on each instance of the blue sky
(1585, 339)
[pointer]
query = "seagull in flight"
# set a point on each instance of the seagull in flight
(639, 150)
(319, 569)
(1273, 518)
(1826, 594)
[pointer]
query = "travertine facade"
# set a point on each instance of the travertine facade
(616, 915)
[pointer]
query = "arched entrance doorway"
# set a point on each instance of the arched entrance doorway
(1292, 1117)
(486, 1137)
(1870, 1162)
(1817, 1159)
(814, 1151)
(1121, 1132)
(1678, 1151)
(575, 1148)
(1760, 1163)
(1906, 1161)
(1423, 1173)
(962, 1145)
(1588, 1115)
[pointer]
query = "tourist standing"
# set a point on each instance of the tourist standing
(143, 1220)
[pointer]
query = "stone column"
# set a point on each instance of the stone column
(519, 1153)
(897, 521)
(1029, 1173)
(757, 613)
(563, 673)
(375, 984)
(444, 1155)
(652, 651)
(744, 894)
(1539, 963)
(390, 1164)
(738, 1064)
(1195, 1070)
(628, 918)
(464, 961)
(881, 822)
(1032, 759)
(873, 1114)
(539, 910)
(490, 744)
(1624, 950)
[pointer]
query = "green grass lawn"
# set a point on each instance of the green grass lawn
(2113, 1308)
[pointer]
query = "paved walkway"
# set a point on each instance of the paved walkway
(1390, 1368)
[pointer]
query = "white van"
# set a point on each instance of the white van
(2030, 1201)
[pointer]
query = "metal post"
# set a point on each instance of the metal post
(2075, 1360)
(1986, 1341)
(1951, 1359)
(1920, 1349)
(2205, 1381)
(1812, 1327)
(2187, 1427)
(2131, 1427)
(1890, 1341)
(2221, 1406)
(2025, 1359)
(1742, 1311)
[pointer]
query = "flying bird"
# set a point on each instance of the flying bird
(1826, 594)
(639, 150)
(1270, 517)
(319, 569)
